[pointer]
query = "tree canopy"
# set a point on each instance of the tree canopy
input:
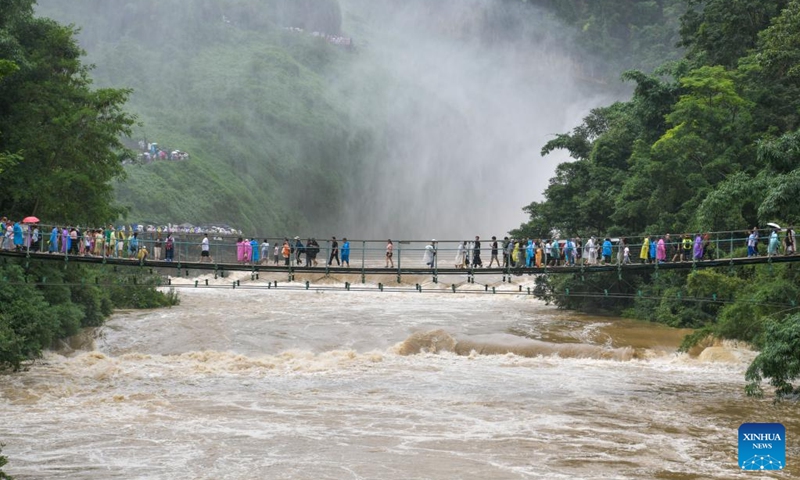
(60, 150)
(706, 143)
(61, 138)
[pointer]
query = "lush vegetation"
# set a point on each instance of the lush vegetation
(709, 142)
(42, 302)
(3, 461)
(61, 144)
(617, 35)
(60, 138)
(272, 145)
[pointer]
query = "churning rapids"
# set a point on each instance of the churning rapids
(298, 384)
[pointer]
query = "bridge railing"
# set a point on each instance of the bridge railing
(373, 253)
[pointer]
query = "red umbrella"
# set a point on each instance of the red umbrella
(30, 220)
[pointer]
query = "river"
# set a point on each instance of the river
(314, 384)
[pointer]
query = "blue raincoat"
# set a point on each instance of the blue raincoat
(54, 240)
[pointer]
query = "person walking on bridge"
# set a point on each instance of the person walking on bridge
(133, 245)
(265, 251)
(508, 253)
(555, 252)
(240, 250)
(311, 252)
(494, 258)
(156, 246)
(790, 245)
(591, 251)
(461, 254)
(248, 251)
(35, 238)
(752, 243)
(430, 254)
(643, 253)
(255, 256)
(17, 236)
(607, 251)
(661, 251)
(345, 252)
(111, 246)
(515, 253)
(772, 248)
(569, 252)
(299, 249)
(65, 241)
(698, 247)
(205, 250)
(286, 252)
(73, 241)
(529, 253)
(389, 253)
(476, 253)
(109, 240)
(169, 248)
(334, 252)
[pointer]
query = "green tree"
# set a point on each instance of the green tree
(768, 196)
(28, 323)
(704, 145)
(7, 159)
(3, 462)
(67, 135)
(773, 72)
(720, 32)
(779, 360)
(717, 148)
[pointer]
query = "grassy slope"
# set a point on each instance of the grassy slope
(271, 145)
(253, 119)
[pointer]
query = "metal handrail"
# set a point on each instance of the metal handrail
(410, 253)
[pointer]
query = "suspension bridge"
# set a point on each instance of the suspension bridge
(368, 265)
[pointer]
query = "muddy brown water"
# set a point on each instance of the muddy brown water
(299, 384)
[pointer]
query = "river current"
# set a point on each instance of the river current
(300, 384)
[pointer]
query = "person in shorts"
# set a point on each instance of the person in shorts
(205, 250)
(494, 253)
(389, 253)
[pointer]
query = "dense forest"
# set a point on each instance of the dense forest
(709, 142)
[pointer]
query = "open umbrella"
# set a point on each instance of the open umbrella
(30, 220)
(774, 225)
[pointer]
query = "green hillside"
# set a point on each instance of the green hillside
(270, 146)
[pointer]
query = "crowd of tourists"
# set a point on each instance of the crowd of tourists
(529, 253)
(296, 252)
(653, 249)
(150, 152)
(100, 242)
(125, 242)
(338, 40)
